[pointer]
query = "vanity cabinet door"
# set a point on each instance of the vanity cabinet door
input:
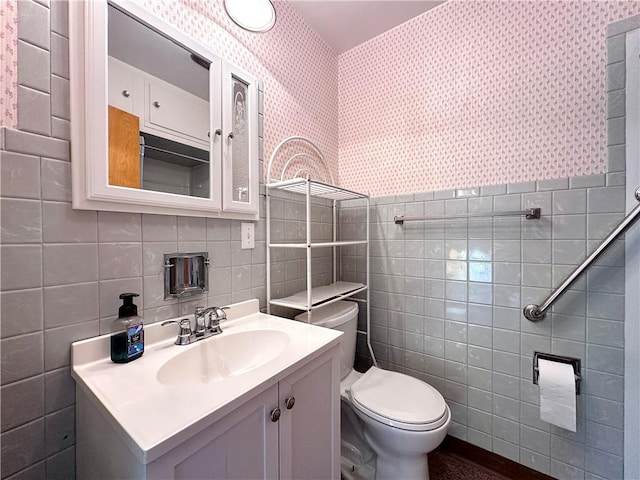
(242, 445)
(240, 141)
(309, 424)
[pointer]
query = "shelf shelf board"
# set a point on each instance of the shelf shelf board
(318, 189)
(320, 295)
(318, 244)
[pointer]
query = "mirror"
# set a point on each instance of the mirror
(159, 119)
(160, 124)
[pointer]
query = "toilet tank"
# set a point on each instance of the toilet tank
(341, 316)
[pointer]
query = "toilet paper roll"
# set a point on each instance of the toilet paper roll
(557, 394)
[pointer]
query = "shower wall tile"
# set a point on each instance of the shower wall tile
(21, 267)
(21, 311)
(593, 180)
(21, 221)
(23, 447)
(119, 227)
(19, 175)
(22, 402)
(61, 224)
(33, 21)
(56, 180)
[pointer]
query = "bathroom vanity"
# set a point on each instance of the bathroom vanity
(260, 400)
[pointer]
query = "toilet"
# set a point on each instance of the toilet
(390, 421)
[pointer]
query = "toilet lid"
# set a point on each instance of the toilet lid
(399, 400)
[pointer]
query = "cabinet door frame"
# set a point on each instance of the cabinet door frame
(164, 467)
(229, 72)
(287, 386)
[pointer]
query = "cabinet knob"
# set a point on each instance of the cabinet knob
(218, 131)
(126, 93)
(231, 135)
(290, 402)
(275, 414)
(156, 104)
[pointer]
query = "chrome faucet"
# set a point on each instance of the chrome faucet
(203, 329)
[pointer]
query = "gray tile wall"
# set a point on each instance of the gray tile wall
(446, 300)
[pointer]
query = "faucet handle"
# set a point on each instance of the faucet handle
(216, 315)
(184, 335)
(220, 312)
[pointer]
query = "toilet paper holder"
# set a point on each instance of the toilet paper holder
(574, 362)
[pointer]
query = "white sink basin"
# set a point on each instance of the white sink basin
(223, 356)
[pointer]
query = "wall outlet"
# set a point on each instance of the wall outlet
(248, 233)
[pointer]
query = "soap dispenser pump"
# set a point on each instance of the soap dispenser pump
(127, 331)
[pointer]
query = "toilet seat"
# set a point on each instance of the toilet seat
(398, 400)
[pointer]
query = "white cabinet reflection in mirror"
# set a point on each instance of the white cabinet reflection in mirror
(159, 124)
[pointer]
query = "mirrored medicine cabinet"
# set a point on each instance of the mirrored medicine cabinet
(159, 124)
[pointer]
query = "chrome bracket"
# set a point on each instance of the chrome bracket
(574, 362)
(532, 312)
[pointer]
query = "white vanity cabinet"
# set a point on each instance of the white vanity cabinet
(253, 441)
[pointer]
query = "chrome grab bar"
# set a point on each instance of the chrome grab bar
(529, 214)
(537, 312)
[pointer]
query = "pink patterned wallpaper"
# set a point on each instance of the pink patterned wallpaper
(470, 93)
(299, 70)
(477, 93)
(8, 63)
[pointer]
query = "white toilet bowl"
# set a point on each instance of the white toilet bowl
(404, 419)
(399, 417)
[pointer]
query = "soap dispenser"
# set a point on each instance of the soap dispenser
(127, 331)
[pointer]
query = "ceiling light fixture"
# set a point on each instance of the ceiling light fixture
(252, 15)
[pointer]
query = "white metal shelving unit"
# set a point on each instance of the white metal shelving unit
(303, 170)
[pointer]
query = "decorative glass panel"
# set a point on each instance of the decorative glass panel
(240, 150)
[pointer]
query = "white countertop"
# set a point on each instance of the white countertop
(153, 417)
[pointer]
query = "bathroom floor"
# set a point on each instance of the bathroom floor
(444, 465)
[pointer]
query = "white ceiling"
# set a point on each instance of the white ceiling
(344, 24)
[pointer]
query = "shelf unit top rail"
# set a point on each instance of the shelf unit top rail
(318, 189)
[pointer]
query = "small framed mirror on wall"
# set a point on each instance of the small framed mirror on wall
(159, 123)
